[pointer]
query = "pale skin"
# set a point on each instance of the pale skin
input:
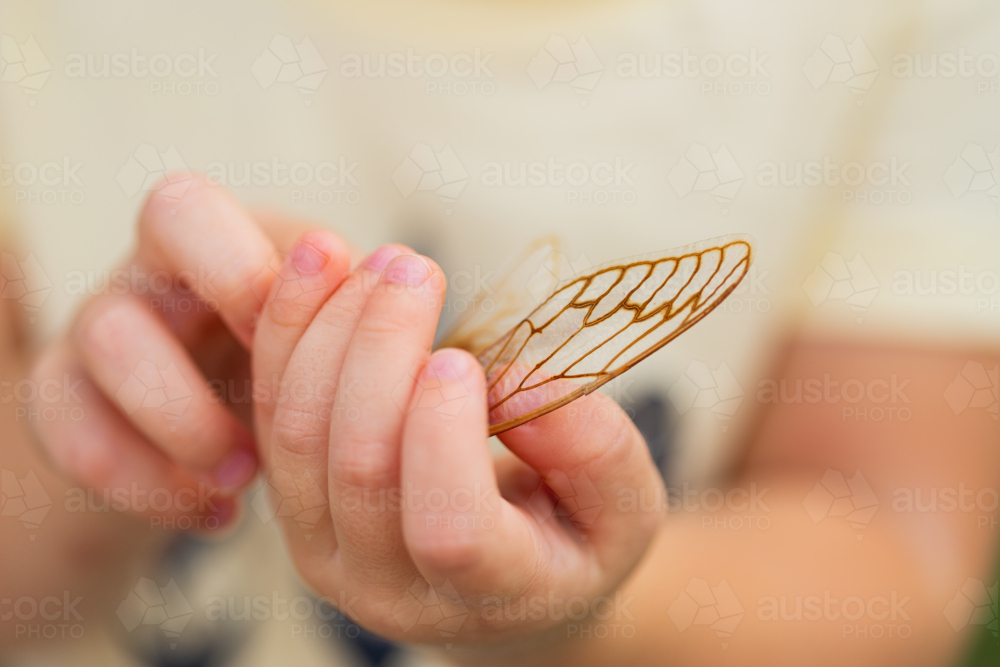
(358, 333)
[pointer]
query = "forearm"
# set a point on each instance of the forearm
(799, 582)
(829, 592)
(832, 592)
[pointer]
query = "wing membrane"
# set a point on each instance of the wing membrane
(501, 305)
(598, 325)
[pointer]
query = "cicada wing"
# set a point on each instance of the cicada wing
(521, 284)
(598, 325)
(501, 303)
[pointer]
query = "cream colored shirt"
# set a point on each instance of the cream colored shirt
(856, 141)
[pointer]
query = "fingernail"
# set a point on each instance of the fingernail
(448, 365)
(236, 471)
(409, 270)
(307, 259)
(379, 259)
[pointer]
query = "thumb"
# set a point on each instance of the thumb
(598, 473)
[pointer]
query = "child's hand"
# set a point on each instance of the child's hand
(139, 423)
(377, 455)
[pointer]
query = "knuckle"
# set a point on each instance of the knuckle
(448, 551)
(289, 314)
(299, 431)
(339, 313)
(382, 326)
(363, 465)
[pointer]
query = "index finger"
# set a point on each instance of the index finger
(203, 238)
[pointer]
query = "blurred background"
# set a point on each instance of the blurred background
(856, 141)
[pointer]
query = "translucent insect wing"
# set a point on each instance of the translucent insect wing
(505, 300)
(598, 325)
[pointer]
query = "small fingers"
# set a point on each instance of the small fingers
(315, 365)
(456, 524)
(141, 367)
(88, 438)
(297, 440)
(317, 265)
(202, 237)
(390, 344)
